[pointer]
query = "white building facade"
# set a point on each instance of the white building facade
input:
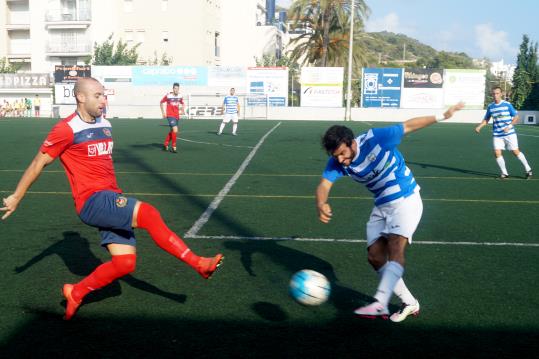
(38, 34)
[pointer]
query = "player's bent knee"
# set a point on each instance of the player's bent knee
(125, 264)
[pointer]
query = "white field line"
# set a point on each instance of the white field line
(228, 186)
(212, 143)
(299, 239)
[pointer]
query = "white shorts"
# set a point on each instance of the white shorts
(509, 142)
(230, 116)
(400, 218)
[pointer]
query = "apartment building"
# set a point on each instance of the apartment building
(38, 34)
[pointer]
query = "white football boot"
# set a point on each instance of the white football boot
(405, 311)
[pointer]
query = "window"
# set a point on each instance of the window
(164, 5)
(164, 35)
(141, 34)
(129, 36)
(128, 5)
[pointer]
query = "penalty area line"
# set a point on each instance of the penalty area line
(345, 240)
(228, 186)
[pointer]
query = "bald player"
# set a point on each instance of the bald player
(83, 143)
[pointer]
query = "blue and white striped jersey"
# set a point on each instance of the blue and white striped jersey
(502, 114)
(231, 104)
(378, 165)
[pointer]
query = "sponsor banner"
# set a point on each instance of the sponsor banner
(167, 75)
(270, 82)
(24, 81)
(112, 74)
(422, 98)
(464, 85)
(423, 78)
(381, 87)
(227, 76)
(64, 94)
(205, 111)
(322, 86)
(70, 74)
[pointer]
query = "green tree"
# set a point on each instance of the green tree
(326, 25)
(532, 100)
(269, 60)
(6, 67)
(522, 81)
(109, 53)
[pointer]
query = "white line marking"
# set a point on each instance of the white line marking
(211, 143)
(228, 186)
(487, 244)
(521, 134)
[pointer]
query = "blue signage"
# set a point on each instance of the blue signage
(167, 75)
(381, 87)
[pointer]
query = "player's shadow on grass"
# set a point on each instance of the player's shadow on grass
(453, 169)
(152, 145)
(75, 251)
(344, 299)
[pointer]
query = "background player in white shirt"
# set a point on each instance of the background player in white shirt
(231, 111)
(504, 117)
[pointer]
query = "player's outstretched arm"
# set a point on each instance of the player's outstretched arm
(30, 176)
(322, 194)
(480, 126)
(418, 123)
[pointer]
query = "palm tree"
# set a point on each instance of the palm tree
(326, 22)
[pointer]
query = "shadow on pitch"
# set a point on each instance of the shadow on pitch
(75, 251)
(453, 169)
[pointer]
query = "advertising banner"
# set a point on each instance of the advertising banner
(112, 74)
(227, 76)
(422, 88)
(24, 81)
(64, 94)
(322, 86)
(267, 81)
(381, 87)
(70, 74)
(464, 85)
(167, 75)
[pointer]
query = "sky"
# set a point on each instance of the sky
(491, 29)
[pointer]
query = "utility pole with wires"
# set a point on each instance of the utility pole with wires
(348, 111)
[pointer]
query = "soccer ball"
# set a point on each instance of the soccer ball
(309, 287)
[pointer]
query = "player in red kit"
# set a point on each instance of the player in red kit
(83, 142)
(170, 109)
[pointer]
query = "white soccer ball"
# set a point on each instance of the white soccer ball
(309, 287)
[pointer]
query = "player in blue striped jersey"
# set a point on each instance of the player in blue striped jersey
(504, 117)
(231, 111)
(372, 159)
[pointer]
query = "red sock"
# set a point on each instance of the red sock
(104, 274)
(167, 139)
(149, 219)
(174, 136)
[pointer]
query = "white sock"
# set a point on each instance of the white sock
(392, 273)
(400, 290)
(234, 128)
(522, 159)
(501, 164)
(221, 127)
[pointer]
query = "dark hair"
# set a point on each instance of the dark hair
(496, 88)
(175, 84)
(335, 136)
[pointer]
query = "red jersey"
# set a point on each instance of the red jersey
(173, 104)
(85, 150)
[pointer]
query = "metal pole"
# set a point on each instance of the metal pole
(348, 111)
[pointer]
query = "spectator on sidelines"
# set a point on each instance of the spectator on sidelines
(37, 105)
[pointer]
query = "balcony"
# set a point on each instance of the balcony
(68, 18)
(69, 48)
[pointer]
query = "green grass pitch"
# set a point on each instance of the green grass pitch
(474, 265)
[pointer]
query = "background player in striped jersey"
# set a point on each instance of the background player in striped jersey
(231, 111)
(172, 106)
(83, 143)
(372, 159)
(504, 117)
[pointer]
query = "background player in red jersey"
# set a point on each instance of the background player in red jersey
(83, 142)
(170, 109)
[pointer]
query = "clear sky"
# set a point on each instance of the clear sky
(489, 28)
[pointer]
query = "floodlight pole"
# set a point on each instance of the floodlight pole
(348, 111)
